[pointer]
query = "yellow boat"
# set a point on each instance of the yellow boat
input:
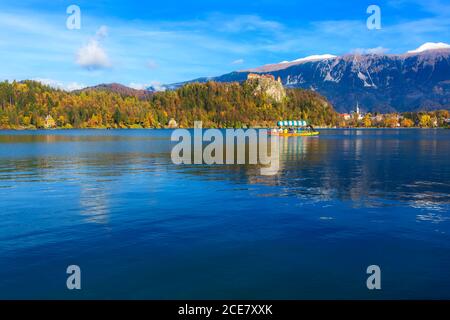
(293, 128)
(295, 134)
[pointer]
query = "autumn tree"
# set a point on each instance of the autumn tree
(367, 121)
(425, 121)
(407, 123)
(391, 121)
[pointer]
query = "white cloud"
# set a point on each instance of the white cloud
(92, 56)
(430, 46)
(238, 61)
(376, 50)
(156, 85)
(315, 57)
(139, 86)
(245, 23)
(71, 86)
(49, 82)
(74, 86)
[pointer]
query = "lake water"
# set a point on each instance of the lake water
(141, 227)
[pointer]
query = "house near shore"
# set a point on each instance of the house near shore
(377, 118)
(49, 122)
(172, 124)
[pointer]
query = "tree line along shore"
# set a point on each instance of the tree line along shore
(32, 105)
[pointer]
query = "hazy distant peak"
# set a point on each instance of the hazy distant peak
(117, 88)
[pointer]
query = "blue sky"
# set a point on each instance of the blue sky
(139, 43)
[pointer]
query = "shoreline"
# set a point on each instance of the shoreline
(223, 128)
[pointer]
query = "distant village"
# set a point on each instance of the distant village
(431, 119)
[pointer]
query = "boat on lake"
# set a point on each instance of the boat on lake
(293, 128)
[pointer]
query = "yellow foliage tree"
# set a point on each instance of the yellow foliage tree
(61, 121)
(367, 121)
(4, 122)
(26, 120)
(40, 123)
(425, 121)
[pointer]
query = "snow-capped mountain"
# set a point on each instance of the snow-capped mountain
(286, 64)
(430, 46)
(416, 80)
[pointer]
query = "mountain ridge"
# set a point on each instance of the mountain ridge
(377, 82)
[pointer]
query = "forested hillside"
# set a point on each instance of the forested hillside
(30, 104)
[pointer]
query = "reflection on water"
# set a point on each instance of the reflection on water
(113, 202)
(94, 204)
(366, 169)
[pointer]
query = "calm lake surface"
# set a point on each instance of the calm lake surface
(141, 227)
